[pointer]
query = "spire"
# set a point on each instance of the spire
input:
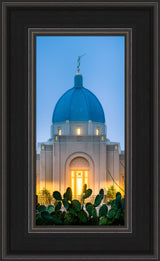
(78, 79)
(78, 62)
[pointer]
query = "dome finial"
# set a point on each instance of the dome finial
(78, 62)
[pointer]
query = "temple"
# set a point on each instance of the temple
(78, 151)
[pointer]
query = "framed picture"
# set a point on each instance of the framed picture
(80, 130)
(78, 160)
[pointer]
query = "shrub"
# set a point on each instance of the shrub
(44, 197)
(111, 193)
(68, 211)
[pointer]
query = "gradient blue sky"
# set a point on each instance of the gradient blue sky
(103, 73)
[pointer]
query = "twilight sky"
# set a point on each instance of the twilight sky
(103, 74)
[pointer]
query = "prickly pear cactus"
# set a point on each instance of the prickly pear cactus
(68, 211)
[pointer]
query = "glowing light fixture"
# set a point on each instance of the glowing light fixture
(42, 147)
(78, 131)
(59, 132)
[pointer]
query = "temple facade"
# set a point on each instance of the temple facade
(78, 151)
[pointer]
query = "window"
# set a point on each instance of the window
(97, 131)
(78, 179)
(78, 131)
(59, 132)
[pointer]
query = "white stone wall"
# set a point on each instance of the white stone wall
(113, 165)
(69, 128)
(46, 167)
(67, 148)
(53, 164)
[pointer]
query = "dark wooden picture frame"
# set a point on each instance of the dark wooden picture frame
(19, 240)
(32, 33)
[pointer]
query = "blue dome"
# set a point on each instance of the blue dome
(78, 104)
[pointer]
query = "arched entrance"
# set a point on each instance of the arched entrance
(79, 174)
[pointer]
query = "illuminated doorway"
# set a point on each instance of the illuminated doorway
(79, 174)
(78, 179)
